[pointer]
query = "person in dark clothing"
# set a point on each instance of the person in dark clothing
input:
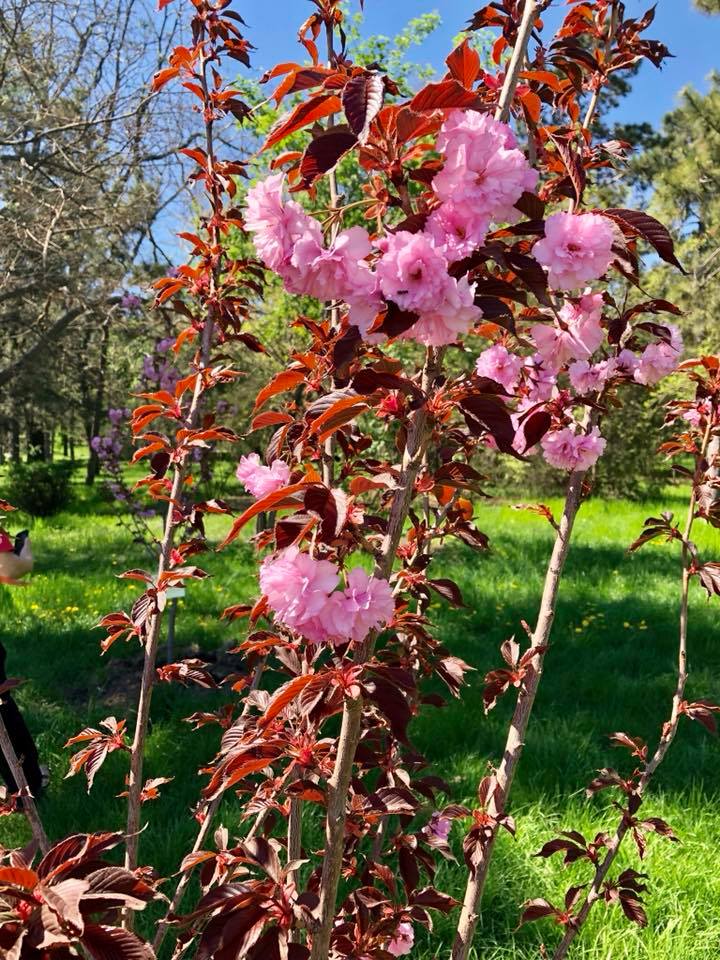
(21, 739)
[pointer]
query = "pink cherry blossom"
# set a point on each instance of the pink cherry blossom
(483, 167)
(571, 450)
(587, 378)
(541, 379)
(576, 248)
(402, 940)
(362, 314)
(659, 359)
(301, 592)
(297, 587)
(412, 272)
(299, 271)
(579, 336)
(290, 242)
(260, 480)
(457, 229)
(341, 273)
(453, 316)
(368, 604)
(500, 365)
(626, 362)
(282, 229)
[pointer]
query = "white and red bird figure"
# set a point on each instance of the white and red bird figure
(16, 557)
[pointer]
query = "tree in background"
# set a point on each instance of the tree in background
(708, 6)
(86, 168)
(680, 174)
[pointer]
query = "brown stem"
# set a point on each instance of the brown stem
(595, 99)
(28, 803)
(419, 434)
(185, 876)
(328, 450)
(668, 735)
(467, 922)
(517, 59)
(167, 544)
(523, 708)
(137, 749)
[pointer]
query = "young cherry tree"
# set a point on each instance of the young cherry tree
(483, 306)
(698, 420)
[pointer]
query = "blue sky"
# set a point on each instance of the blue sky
(691, 36)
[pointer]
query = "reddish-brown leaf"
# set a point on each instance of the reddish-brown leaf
(362, 100)
(270, 418)
(445, 95)
(637, 223)
(285, 695)
(285, 380)
(339, 413)
(163, 76)
(324, 152)
(464, 64)
(317, 107)
(272, 501)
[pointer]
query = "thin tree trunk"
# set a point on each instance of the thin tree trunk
(339, 783)
(523, 708)
(713, 453)
(137, 753)
(512, 73)
(668, 735)
(135, 781)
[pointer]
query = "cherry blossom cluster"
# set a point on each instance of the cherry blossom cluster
(569, 347)
(301, 591)
(483, 177)
(260, 480)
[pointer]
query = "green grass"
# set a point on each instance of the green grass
(611, 667)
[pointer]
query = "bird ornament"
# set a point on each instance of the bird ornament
(16, 559)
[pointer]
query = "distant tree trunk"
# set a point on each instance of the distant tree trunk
(93, 466)
(205, 465)
(65, 441)
(15, 440)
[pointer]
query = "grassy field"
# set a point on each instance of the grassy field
(611, 667)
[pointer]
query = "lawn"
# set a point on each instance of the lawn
(611, 667)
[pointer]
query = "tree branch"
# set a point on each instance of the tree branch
(53, 333)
